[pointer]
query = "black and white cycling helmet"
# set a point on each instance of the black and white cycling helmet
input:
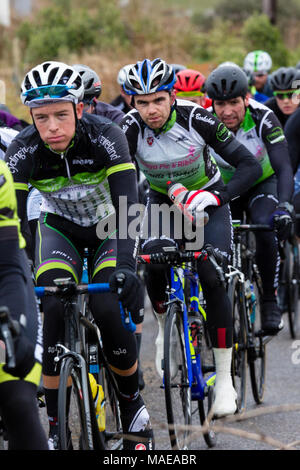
(285, 78)
(148, 77)
(226, 82)
(91, 82)
(51, 82)
(258, 61)
(122, 73)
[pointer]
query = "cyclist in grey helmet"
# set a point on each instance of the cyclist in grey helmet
(285, 83)
(92, 91)
(268, 201)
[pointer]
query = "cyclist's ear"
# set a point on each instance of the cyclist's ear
(173, 96)
(79, 109)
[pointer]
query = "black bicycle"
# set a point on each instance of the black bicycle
(288, 285)
(79, 354)
(245, 293)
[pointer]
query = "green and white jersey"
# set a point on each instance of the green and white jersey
(260, 132)
(182, 151)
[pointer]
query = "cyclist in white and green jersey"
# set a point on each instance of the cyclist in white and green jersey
(170, 140)
(269, 199)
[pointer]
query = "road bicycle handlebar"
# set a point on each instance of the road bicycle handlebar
(237, 226)
(65, 288)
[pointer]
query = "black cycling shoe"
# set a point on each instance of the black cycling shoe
(271, 318)
(138, 434)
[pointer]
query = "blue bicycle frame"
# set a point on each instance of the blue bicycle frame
(198, 383)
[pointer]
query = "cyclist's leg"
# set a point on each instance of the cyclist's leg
(18, 398)
(262, 204)
(121, 350)
(56, 257)
(154, 239)
(218, 233)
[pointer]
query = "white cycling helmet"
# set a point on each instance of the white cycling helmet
(51, 82)
(148, 77)
(258, 61)
(122, 73)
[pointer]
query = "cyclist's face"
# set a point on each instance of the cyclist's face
(231, 112)
(154, 108)
(260, 79)
(56, 123)
(289, 104)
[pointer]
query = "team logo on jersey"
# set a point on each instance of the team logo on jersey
(150, 141)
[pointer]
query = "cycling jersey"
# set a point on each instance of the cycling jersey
(109, 111)
(263, 135)
(82, 184)
(180, 151)
(6, 136)
(9, 221)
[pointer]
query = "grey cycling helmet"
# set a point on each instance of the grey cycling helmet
(148, 77)
(91, 82)
(285, 78)
(122, 73)
(226, 82)
(178, 67)
(51, 82)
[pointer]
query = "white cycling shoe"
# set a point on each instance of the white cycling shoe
(225, 395)
(159, 344)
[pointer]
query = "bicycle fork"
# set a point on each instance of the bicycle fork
(62, 354)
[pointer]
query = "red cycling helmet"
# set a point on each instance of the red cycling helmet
(189, 83)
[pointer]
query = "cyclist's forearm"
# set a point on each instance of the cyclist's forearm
(248, 170)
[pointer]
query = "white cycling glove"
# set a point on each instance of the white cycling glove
(197, 201)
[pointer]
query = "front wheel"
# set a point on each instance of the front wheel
(73, 432)
(257, 352)
(239, 349)
(176, 382)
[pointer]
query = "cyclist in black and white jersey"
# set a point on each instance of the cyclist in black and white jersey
(82, 167)
(170, 140)
(269, 199)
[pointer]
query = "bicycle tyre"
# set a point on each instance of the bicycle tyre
(113, 427)
(176, 384)
(292, 257)
(73, 431)
(204, 407)
(257, 359)
(239, 349)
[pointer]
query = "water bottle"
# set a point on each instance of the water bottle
(177, 193)
(98, 397)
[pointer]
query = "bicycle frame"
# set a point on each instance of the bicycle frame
(197, 382)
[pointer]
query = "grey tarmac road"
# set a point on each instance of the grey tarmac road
(272, 425)
(269, 426)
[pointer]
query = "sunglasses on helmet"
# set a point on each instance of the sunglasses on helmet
(48, 91)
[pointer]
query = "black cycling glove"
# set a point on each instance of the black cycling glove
(282, 220)
(128, 285)
(24, 356)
